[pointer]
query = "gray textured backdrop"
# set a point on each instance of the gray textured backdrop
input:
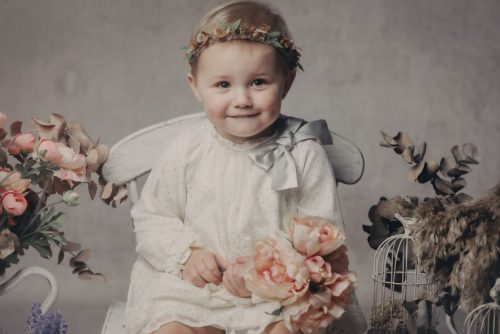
(430, 68)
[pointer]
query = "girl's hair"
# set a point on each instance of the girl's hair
(251, 13)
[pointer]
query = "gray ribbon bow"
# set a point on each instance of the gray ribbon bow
(277, 153)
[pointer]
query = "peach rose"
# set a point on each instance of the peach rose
(13, 203)
(25, 142)
(319, 270)
(71, 164)
(3, 118)
(315, 236)
(277, 272)
(12, 181)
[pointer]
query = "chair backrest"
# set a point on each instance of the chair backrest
(146, 144)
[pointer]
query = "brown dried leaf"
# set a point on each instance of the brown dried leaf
(408, 154)
(60, 186)
(403, 141)
(76, 264)
(98, 277)
(45, 130)
(442, 187)
(109, 191)
(103, 151)
(75, 145)
(3, 157)
(85, 274)
(77, 131)
(71, 247)
(414, 172)
(471, 151)
(458, 184)
(15, 128)
(60, 256)
(92, 161)
(120, 196)
(431, 167)
(387, 140)
(92, 186)
(446, 164)
(420, 152)
(83, 255)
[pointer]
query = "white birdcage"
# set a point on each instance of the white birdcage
(485, 319)
(400, 288)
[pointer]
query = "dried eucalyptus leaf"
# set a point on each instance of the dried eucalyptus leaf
(408, 154)
(98, 277)
(458, 184)
(45, 130)
(388, 208)
(420, 152)
(80, 268)
(403, 140)
(74, 144)
(442, 187)
(103, 151)
(83, 255)
(462, 198)
(471, 151)
(414, 172)
(431, 167)
(109, 191)
(458, 171)
(77, 131)
(15, 128)
(85, 274)
(458, 154)
(387, 140)
(73, 263)
(120, 196)
(92, 161)
(71, 247)
(60, 256)
(446, 164)
(92, 186)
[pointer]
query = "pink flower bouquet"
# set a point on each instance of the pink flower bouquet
(308, 275)
(36, 167)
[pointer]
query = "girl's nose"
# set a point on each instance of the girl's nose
(242, 99)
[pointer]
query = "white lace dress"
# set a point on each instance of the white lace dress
(205, 191)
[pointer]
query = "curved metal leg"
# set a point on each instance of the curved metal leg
(34, 270)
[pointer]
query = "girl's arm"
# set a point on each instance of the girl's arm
(317, 191)
(161, 236)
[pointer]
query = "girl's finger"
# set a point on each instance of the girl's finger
(227, 284)
(221, 262)
(197, 280)
(212, 267)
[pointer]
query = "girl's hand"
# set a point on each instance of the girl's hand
(233, 278)
(204, 267)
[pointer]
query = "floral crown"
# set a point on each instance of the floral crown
(236, 31)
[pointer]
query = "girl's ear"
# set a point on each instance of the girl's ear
(290, 77)
(192, 84)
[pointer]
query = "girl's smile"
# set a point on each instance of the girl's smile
(241, 87)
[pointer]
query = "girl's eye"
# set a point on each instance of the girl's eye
(258, 82)
(223, 84)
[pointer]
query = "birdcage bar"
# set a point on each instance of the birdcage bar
(484, 319)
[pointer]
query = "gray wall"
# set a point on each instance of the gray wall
(429, 68)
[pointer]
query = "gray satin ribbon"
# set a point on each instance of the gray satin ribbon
(277, 154)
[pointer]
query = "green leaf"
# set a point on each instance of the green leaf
(273, 34)
(235, 25)
(43, 248)
(275, 43)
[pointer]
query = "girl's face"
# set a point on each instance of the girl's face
(240, 85)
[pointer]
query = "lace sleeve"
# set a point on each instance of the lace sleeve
(161, 236)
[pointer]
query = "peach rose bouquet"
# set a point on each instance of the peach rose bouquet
(306, 273)
(40, 169)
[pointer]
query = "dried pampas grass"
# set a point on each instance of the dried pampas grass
(459, 246)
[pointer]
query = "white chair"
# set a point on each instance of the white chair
(21, 274)
(346, 158)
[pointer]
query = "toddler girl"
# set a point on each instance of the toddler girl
(233, 179)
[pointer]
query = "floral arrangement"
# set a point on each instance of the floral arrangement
(45, 323)
(457, 238)
(40, 169)
(307, 274)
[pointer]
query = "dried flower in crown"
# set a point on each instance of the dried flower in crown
(237, 31)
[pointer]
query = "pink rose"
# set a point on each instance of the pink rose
(12, 181)
(3, 118)
(13, 203)
(51, 150)
(25, 142)
(13, 149)
(315, 236)
(278, 272)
